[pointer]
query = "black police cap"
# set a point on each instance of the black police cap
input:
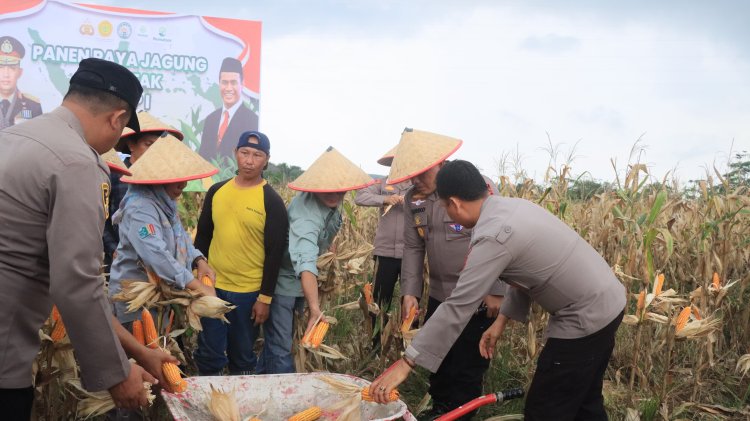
(111, 78)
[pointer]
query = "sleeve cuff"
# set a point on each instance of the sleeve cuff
(265, 299)
(311, 267)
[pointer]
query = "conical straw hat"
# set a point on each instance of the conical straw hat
(387, 159)
(330, 173)
(169, 161)
(114, 162)
(149, 124)
(418, 151)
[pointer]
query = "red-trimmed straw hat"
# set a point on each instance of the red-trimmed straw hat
(114, 162)
(169, 161)
(387, 159)
(149, 125)
(418, 151)
(331, 173)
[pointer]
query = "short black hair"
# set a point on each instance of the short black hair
(461, 179)
(97, 100)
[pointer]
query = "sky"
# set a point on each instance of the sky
(531, 83)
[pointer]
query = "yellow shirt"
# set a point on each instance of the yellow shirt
(237, 250)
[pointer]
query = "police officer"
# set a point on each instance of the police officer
(389, 236)
(54, 189)
(430, 231)
(15, 106)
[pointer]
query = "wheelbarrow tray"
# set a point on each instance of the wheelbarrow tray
(281, 395)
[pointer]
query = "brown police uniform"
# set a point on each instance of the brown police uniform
(429, 230)
(19, 106)
(389, 237)
(54, 190)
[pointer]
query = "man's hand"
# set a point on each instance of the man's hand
(381, 388)
(205, 270)
(315, 315)
(393, 200)
(198, 286)
(260, 313)
(130, 393)
(407, 302)
(491, 336)
(152, 359)
(493, 303)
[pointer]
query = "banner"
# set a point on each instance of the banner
(200, 74)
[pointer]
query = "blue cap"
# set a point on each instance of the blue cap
(263, 143)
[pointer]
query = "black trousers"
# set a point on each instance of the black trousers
(459, 377)
(388, 273)
(16, 404)
(567, 384)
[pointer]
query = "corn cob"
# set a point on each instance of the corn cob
(392, 397)
(716, 281)
(58, 332)
(696, 313)
(682, 319)
(318, 333)
(138, 332)
(309, 414)
(659, 284)
(641, 301)
(367, 292)
(55, 314)
(173, 377)
(149, 329)
(409, 320)
(207, 281)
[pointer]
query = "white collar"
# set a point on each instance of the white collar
(233, 109)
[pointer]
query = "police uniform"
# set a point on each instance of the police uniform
(549, 263)
(429, 230)
(20, 106)
(54, 190)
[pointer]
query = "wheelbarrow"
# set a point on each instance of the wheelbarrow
(279, 396)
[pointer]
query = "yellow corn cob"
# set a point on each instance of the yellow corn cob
(58, 332)
(716, 282)
(406, 325)
(682, 319)
(138, 332)
(254, 419)
(392, 397)
(309, 414)
(319, 332)
(659, 284)
(149, 329)
(55, 314)
(367, 292)
(173, 377)
(696, 313)
(641, 301)
(207, 281)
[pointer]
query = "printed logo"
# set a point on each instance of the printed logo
(7, 47)
(162, 31)
(105, 199)
(86, 29)
(456, 227)
(147, 231)
(417, 220)
(105, 28)
(124, 30)
(418, 202)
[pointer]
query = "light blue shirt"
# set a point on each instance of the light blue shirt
(312, 227)
(151, 235)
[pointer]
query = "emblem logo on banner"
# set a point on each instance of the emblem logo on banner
(124, 30)
(105, 28)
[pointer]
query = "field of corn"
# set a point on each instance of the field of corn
(682, 352)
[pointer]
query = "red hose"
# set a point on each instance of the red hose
(468, 407)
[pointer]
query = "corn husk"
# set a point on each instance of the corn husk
(93, 404)
(699, 328)
(207, 306)
(223, 405)
(743, 364)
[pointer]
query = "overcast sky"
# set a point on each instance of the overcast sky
(502, 76)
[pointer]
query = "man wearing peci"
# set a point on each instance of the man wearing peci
(223, 127)
(15, 106)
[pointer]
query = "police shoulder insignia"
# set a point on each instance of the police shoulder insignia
(105, 199)
(147, 230)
